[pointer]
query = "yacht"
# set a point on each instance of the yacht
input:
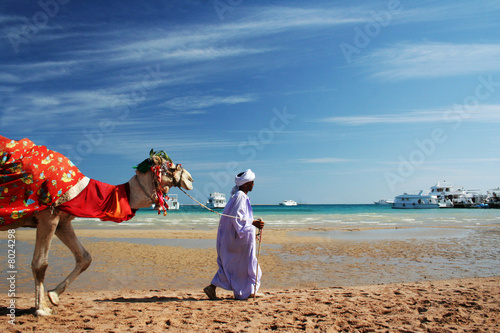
(288, 203)
(442, 195)
(493, 198)
(449, 195)
(384, 202)
(416, 201)
(216, 200)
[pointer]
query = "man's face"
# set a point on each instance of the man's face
(247, 186)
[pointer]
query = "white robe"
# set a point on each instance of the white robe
(236, 249)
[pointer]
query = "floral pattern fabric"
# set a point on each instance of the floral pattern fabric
(32, 178)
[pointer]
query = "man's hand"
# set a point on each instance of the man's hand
(258, 223)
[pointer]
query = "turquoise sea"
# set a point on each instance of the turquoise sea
(309, 216)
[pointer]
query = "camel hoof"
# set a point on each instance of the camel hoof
(53, 297)
(43, 312)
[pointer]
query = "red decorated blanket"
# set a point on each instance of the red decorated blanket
(32, 178)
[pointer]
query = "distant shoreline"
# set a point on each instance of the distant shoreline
(301, 204)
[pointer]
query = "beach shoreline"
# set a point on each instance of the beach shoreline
(461, 305)
(290, 258)
(329, 277)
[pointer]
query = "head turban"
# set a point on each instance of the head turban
(246, 177)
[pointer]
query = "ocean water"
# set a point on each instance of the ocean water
(308, 216)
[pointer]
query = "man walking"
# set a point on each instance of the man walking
(238, 267)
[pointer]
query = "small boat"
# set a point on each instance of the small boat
(384, 202)
(288, 203)
(172, 202)
(216, 200)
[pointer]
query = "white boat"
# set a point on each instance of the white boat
(444, 195)
(493, 198)
(288, 203)
(172, 202)
(216, 200)
(415, 201)
(449, 195)
(384, 202)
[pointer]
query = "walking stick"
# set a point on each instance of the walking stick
(257, 269)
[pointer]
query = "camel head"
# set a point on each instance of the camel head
(177, 176)
(165, 174)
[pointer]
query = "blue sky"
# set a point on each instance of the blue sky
(327, 101)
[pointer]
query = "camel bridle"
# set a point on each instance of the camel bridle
(157, 172)
(177, 183)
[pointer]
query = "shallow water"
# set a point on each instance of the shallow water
(176, 242)
(309, 216)
(457, 243)
(387, 234)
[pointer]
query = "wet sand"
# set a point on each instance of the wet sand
(351, 280)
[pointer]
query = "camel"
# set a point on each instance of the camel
(152, 180)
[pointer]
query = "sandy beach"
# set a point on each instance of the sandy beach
(152, 280)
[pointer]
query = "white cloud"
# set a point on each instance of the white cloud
(483, 113)
(327, 160)
(412, 117)
(61, 109)
(424, 60)
(471, 160)
(8, 18)
(37, 71)
(45, 101)
(128, 143)
(208, 42)
(267, 20)
(201, 102)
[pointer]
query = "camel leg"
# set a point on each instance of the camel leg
(47, 224)
(67, 235)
